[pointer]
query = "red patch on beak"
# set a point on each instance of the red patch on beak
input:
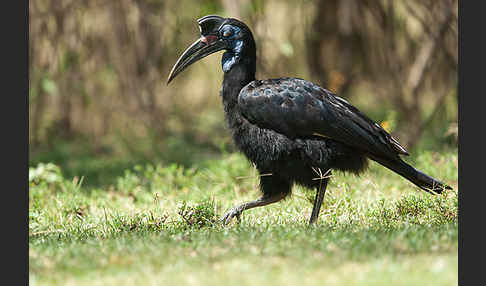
(209, 39)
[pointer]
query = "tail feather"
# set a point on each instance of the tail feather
(422, 180)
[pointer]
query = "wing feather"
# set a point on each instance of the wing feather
(298, 108)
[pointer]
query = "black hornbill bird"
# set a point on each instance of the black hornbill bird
(289, 127)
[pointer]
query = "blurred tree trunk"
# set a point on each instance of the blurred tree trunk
(35, 99)
(408, 92)
(416, 78)
(137, 56)
(234, 7)
(64, 121)
(333, 32)
(322, 29)
(36, 117)
(134, 66)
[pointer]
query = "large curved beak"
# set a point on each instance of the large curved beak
(201, 48)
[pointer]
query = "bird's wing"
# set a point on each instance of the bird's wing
(298, 108)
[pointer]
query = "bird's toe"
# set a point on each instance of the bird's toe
(234, 212)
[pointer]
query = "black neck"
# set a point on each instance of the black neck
(240, 74)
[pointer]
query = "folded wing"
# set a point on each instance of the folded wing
(298, 108)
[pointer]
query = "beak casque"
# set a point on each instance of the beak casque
(209, 43)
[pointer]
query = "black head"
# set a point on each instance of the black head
(217, 33)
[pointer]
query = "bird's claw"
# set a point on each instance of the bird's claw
(234, 212)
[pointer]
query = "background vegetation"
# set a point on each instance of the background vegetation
(128, 175)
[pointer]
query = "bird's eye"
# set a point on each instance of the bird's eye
(228, 33)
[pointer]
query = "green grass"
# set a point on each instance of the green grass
(158, 225)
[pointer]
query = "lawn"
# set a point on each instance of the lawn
(158, 225)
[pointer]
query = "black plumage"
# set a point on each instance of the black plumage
(292, 129)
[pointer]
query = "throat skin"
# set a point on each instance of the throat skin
(232, 56)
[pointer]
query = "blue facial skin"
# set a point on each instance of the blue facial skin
(231, 56)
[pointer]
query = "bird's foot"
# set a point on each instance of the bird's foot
(234, 212)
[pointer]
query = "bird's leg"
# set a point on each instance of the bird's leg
(321, 191)
(263, 201)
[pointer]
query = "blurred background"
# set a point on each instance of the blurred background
(99, 103)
